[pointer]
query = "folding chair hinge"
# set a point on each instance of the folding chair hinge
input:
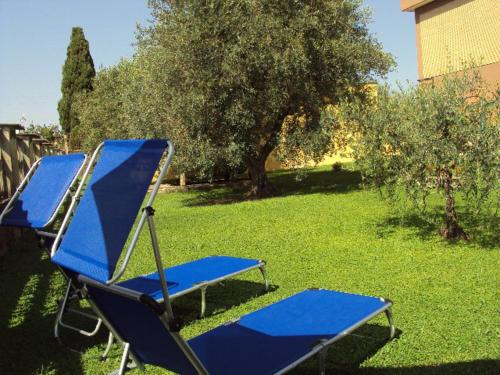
(149, 210)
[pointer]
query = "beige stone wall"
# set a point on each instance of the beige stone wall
(454, 32)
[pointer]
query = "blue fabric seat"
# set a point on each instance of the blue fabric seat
(101, 223)
(283, 332)
(183, 278)
(44, 192)
(273, 339)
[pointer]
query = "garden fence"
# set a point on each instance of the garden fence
(18, 152)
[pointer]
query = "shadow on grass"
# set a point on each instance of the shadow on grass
(219, 298)
(482, 366)
(348, 353)
(346, 356)
(285, 182)
(26, 317)
(483, 229)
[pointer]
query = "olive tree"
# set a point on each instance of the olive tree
(231, 72)
(440, 136)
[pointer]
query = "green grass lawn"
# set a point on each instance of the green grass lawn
(323, 232)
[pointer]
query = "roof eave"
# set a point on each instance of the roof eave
(411, 5)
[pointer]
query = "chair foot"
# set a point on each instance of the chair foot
(108, 347)
(123, 363)
(60, 311)
(203, 291)
(130, 366)
(390, 319)
(263, 271)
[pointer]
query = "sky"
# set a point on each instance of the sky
(34, 35)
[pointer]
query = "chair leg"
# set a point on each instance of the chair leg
(63, 307)
(392, 327)
(111, 339)
(203, 291)
(60, 312)
(264, 275)
(322, 361)
(123, 363)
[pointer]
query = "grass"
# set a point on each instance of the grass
(323, 232)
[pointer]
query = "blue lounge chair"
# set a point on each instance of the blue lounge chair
(104, 218)
(42, 192)
(37, 201)
(272, 340)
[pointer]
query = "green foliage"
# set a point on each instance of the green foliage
(78, 72)
(440, 136)
(114, 108)
(126, 103)
(231, 72)
(51, 132)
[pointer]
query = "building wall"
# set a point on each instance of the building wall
(451, 33)
(273, 164)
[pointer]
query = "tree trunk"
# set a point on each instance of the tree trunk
(66, 144)
(256, 163)
(182, 180)
(261, 187)
(450, 230)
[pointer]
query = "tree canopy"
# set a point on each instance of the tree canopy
(230, 73)
(78, 72)
(126, 103)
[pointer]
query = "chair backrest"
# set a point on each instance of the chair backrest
(139, 325)
(109, 206)
(37, 204)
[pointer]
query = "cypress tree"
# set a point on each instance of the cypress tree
(78, 72)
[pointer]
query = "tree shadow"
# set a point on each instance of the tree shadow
(480, 366)
(27, 314)
(425, 227)
(285, 183)
(484, 229)
(219, 298)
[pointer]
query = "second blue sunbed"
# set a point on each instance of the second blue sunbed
(103, 219)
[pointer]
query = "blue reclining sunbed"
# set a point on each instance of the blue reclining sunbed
(42, 192)
(37, 201)
(272, 340)
(102, 221)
